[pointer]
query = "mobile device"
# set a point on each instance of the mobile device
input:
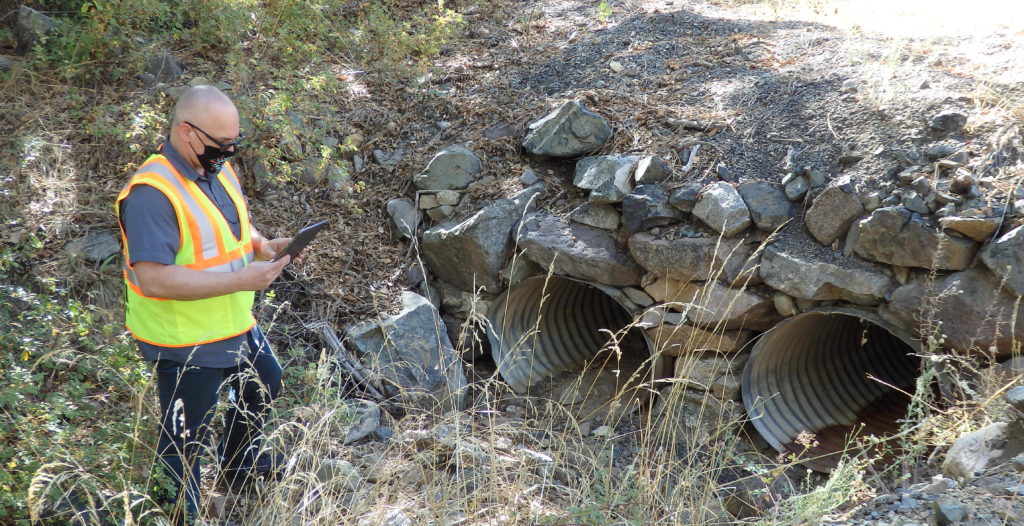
(300, 240)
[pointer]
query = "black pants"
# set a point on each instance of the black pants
(188, 395)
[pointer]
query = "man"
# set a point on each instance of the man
(192, 263)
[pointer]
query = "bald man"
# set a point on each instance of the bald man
(192, 263)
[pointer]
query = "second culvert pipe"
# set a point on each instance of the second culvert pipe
(817, 380)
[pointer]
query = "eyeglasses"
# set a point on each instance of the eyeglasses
(237, 143)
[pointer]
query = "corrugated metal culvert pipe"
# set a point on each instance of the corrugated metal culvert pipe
(545, 326)
(836, 374)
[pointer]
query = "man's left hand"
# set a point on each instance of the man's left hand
(270, 248)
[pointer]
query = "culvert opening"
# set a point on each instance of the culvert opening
(819, 379)
(562, 338)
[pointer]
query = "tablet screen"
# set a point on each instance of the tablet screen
(301, 239)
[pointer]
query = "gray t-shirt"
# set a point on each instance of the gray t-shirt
(151, 227)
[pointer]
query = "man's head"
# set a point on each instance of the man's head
(205, 127)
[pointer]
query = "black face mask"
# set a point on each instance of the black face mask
(213, 158)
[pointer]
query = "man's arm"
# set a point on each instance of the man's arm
(175, 282)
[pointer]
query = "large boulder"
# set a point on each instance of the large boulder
(691, 258)
(898, 236)
(451, 169)
(608, 177)
(833, 211)
(969, 308)
(1005, 257)
(472, 252)
(412, 351)
(569, 131)
(578, 251)
(721, 208)
(802, 277)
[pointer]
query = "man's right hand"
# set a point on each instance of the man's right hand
(260, 274)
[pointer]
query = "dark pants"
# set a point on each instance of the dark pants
(188, 395)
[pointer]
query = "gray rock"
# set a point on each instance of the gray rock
(603, 216)
(412, 351)
(769, 208)
(638, 296)
(707, 367)
(453, 168)
(685, 197)
(668, 335)
(30, 27)
(833, 211)
(358, 420)
(896, 236)
(796, 188)
(1015, 397)
(646, 207)
(440, 213)
(1005, 257)
(979, 229)
(5, 64)
(689, 258)
(569, 131)
(975, 452)
(606, 176)
(1018, 463)
(578, 251)
(907, 176)
(338, 473)
(799, 277)
(447, 197)
(721, 208)
(949, 121)
(165, 67)
(973, 311)
(96, 247)
(404, 216)
(850, 155)
(913, 202)
(939, 151)
(817, 178)
(529, 177)
(724, 174)
(921, 185)
(872, 201)
(470, 253)
(651, 170)
(717, 306)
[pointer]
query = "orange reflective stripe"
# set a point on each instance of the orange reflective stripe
(234, 255)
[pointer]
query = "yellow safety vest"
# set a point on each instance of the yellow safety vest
(206, 243)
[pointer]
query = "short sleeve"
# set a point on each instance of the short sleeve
(150, 225)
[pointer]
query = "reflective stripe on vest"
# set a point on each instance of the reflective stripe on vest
(206, 243)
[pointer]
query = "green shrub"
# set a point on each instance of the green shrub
(70, 394)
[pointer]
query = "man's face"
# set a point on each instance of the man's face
(212, 136)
